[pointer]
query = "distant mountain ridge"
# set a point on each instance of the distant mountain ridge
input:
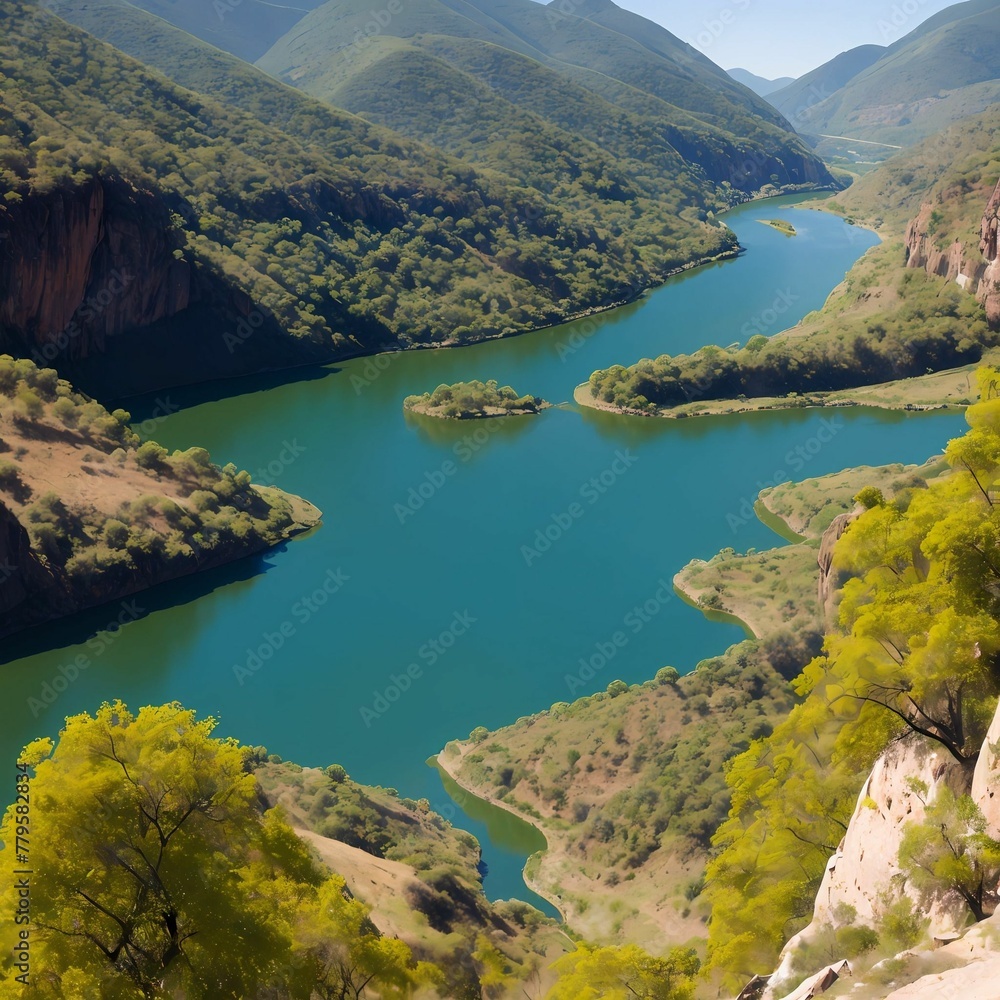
(440, 70)
(941, 72)
(759, 84)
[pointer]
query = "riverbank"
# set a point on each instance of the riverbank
(951, 389)
(449, 764)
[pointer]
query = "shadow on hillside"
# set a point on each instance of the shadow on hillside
(77, 629)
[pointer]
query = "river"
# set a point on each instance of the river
(457, 592)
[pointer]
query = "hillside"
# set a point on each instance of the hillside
(923, 303)
(505, 85)
(90, 515)
(266, 229)
(941, 72)
(796, 98)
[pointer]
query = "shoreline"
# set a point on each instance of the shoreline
(442, 762)
(717, 615)
(583, 396)
(344, 358)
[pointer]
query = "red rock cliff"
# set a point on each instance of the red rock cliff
(87, 264)
(976, 269)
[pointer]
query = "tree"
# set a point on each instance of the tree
(150, 455)
(154, 861)
(870, 497)
(348, 954)
(626, 973)
(951, 852)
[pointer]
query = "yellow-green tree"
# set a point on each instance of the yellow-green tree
(626, 973)
(156, 875)
(917, 651)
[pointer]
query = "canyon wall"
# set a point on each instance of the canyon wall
(87, 264)
(977, 269)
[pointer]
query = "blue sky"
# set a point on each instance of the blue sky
(784, 37)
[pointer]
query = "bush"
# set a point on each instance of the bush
(617, 688)
(115, 533)
(65, 410)
(10, 475)
(29, 406)
(150, 455)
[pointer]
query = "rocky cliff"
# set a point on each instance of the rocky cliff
(976, 269)
(827, 577)
(22, 576)
(864, 875)
(95, 282)
(84, 264)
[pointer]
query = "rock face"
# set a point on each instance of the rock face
(865, 865)
(83, 265)
(21, 575)
(989, 290)
(827, 580)
(986, 780)
(977, 272)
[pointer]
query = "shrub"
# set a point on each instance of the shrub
(10, 475)
(65, 411)
(150, 455)
(29, 406)
(668, 675)
(617, 688)
(115, 533)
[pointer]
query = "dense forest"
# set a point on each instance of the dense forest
(339, 232)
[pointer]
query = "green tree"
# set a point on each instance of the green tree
(951, 852)
(626, 973)
(154, 862)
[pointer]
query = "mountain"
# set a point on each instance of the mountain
(796, 98)
(941, 72)
(246, 28)
(758, 84)
(266, 229)
(472, 77)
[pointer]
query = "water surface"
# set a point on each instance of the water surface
(447, 614)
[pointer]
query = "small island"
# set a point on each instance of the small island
(781, 225)
(474, 401)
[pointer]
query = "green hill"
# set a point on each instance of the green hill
(943, 71)
(295, 231)
(893, 318)
(795, 99)
(490, 83)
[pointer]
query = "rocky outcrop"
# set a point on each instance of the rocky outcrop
(863, 875)
(989, 289)
(976, 269)
(827, 577)
(986, 780)
(84, 264)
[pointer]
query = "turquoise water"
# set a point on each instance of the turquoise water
(441, 611)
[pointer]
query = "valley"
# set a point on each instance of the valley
(376, 620)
